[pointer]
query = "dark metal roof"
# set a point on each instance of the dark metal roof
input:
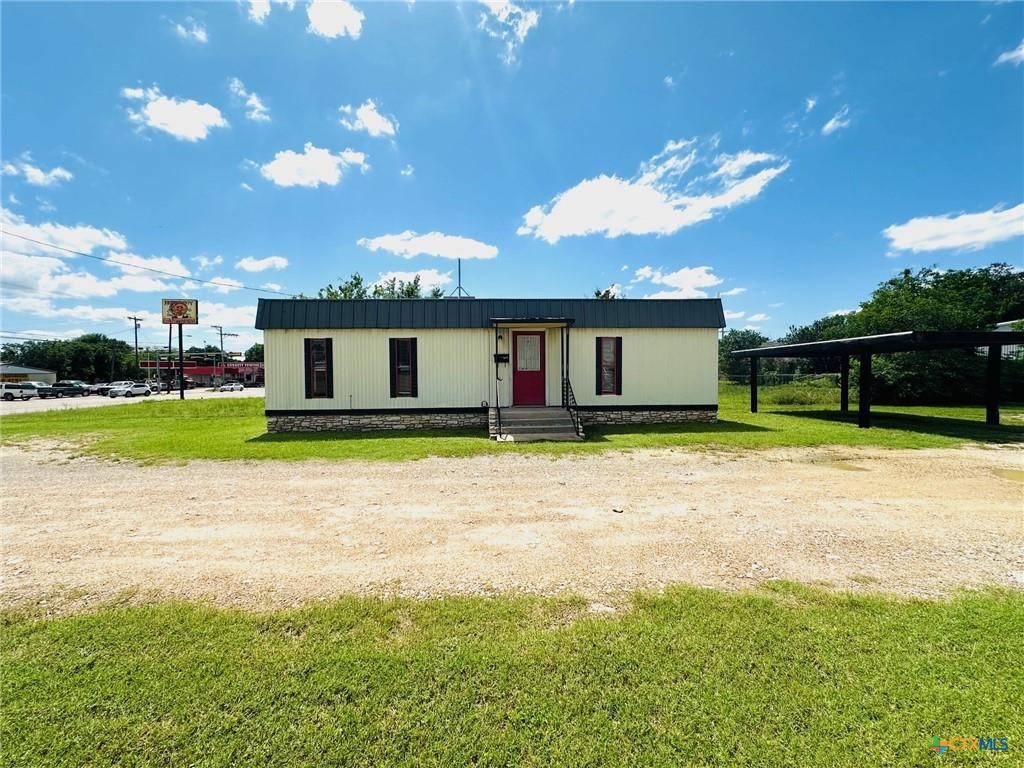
(478, 313)
(906, 341)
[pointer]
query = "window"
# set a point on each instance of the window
(609, 365)
(319, 368)
(403, 368)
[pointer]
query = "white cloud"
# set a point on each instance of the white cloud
(760, 317)
(966, 231)
(407, 171)
(81, 312)
(129, 263)
(810, 103)
(776, 305)
(840, 312)
(273, 286)
(225, 284)
(190, 30)
(368, 119)
(669, 82)
(79, 237)
(1015, 57)
(255, 108)
(245, 186)
(207, 262)
(751, 327)
(184, 119)
(35, 175)
(43, 275)
(13, 200)
(733, 292)
(662, 198)
(250, 264)
(735, 165)
(213, 313)
(733, 315)
(616, 290)
(259, 10)
(685, 283)
(429, 278)
(313, 167)
(509, 23)
(45, 205)
(839, 120)
(334, 18)
(624, 268)
(409, 244)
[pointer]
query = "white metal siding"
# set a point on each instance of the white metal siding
(660, 366)
(455, 368)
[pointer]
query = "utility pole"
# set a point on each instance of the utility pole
(220, 330)
(138, 323)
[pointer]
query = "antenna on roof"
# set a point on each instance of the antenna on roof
(459, 291)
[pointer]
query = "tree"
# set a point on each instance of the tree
(732, 340)
(928, 300)
(353, 288)
(254, 354)
(933, 300)
(357, 288)
(92, 357)
(608, 293)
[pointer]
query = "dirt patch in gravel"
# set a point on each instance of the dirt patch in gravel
(77, 531)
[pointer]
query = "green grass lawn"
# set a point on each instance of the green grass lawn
(787, 676)
(171, 430)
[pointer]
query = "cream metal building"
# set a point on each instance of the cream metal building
(11, 372)
(403, 363)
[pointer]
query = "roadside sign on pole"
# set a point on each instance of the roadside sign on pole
(180, 311)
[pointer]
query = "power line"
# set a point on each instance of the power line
(138, 266)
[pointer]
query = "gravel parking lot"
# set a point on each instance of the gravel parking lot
(35, 405)
(261, 534)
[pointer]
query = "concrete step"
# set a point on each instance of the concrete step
(536, 437)
(559, 421)
(512, 429)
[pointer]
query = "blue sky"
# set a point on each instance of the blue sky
(785, 156)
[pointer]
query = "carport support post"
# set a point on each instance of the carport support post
(181, 364)
(864, 384)
(995, 354)
(844, 384)
(753, 384)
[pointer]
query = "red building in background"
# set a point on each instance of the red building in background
(250, 374)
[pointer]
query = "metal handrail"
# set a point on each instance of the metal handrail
(569, 402)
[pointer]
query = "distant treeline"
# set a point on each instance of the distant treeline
(926, 300)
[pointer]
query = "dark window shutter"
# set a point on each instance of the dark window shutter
(412, 362)
(308, 360)
(393, 357)
(618, 365)
(329, 350)
(597, 365)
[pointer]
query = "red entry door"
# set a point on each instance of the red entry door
(527, 368)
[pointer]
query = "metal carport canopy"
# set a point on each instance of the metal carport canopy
(905, 341)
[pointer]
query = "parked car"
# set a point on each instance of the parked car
(44, 390)
(129, 389)
(71, 388)
(104, 389)
(231, 386)
(20, 390)
(94, 389)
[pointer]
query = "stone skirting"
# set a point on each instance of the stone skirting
(641, 415)
(372, 422)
